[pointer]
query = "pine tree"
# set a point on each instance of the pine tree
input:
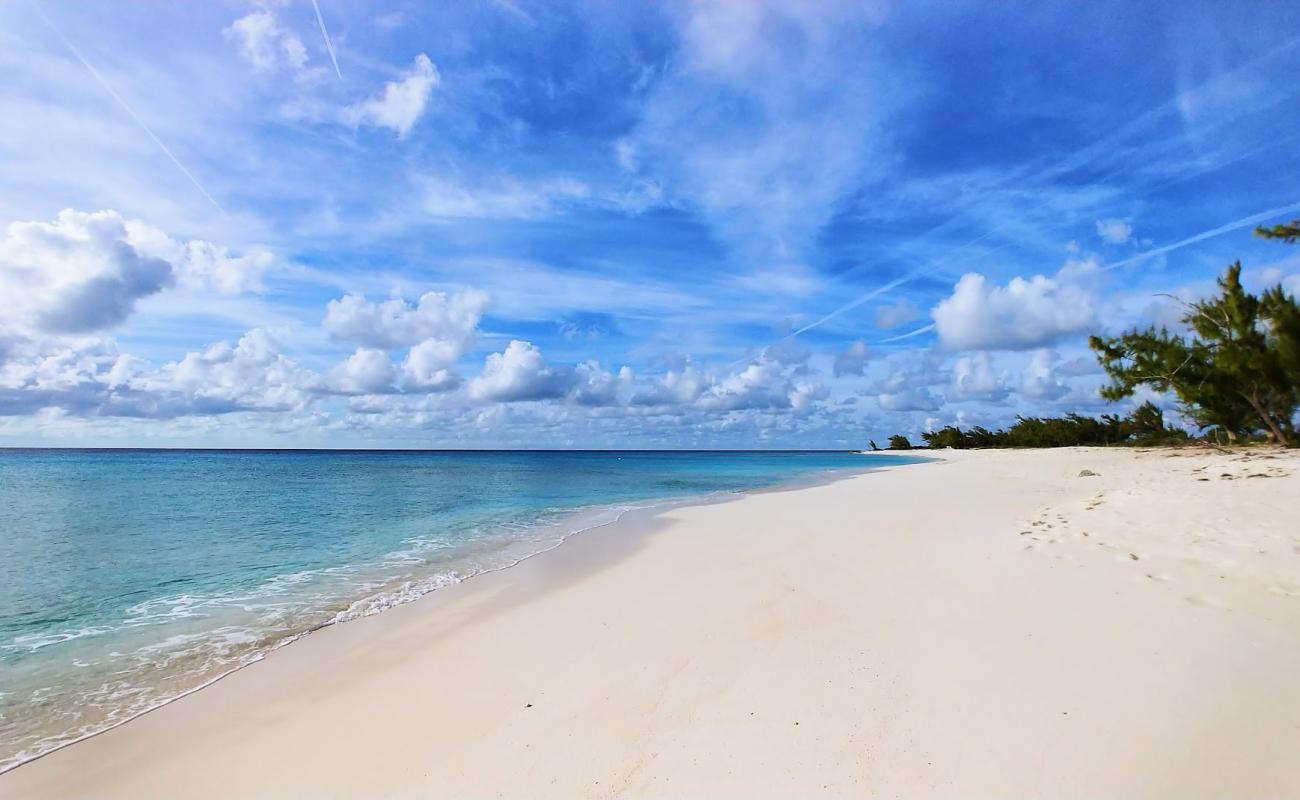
(1239, 370)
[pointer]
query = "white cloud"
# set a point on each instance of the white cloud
(853, 360)
(518, 373)
(78, 274)
(1038, 379)
(264, 44)
(906, 387)
(805, 394)
(900, 313)
(761, 384)
(1021, 315)
(78, 374)
(428, 365)
(1114, 231)
(207, 265)
(973, 378)
(402, 102)
(438, 329)
(593, 386)
(394, 323)
(675, 387)
(252, 375)
(367, 371)
(201, 264)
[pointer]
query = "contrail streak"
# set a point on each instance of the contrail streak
(1075, 160)
(329, 44)
(1253, 219)
(917, 332)
(906, 277)
(127, 108)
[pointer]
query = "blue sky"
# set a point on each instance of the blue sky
(714, 224)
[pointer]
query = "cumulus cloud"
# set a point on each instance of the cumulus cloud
(204, 265)
(402, 102)
(1023, 314)
(973, 378)
(367, 371)
(906, 387)
(439, 328)
(762, 384)
(593, 386)
(396, 323)
(674, 387)
(853, 360)
(261, 42)
(1038, 379)
(428, 366)
(251, 375)
(82, 375)
(804, 394)
(1114, 231)
(207, 264)
(78, 274)
(518, 373)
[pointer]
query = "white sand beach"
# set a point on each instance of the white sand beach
(993, 624)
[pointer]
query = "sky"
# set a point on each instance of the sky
(716, 224)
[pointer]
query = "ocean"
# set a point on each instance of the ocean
(131, 577)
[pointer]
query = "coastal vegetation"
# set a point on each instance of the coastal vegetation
(1233, 368)
(1146, 425)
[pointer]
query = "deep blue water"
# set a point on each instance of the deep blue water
(130, 577)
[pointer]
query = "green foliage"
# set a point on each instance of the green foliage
(873, 444)
(1289, 233)
(1145, 426)
(1237, 371)
(899, 442)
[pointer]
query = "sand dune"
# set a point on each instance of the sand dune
(996, 624)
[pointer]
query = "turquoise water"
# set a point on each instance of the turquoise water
(128, 578)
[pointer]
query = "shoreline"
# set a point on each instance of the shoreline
(919, 649)
(622, 511)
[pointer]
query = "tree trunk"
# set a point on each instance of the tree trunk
(1276, 430)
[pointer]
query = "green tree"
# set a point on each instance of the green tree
(1148, 420)
(950, 436)
(1147, 423)
(899, 442)
(1235, 371)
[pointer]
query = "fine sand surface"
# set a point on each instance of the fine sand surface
(994, 625)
